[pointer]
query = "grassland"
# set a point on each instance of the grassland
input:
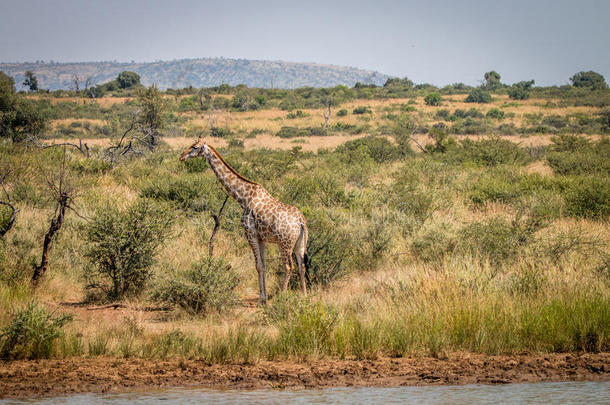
(493, 242)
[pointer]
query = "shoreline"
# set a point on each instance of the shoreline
(53, 377)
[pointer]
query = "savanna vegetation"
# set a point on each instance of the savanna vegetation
(440, 219)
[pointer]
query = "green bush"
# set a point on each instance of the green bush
(342, 113)
(378, 148)
(442, 114)
(292, 132)
(495, 113)
(297, 114)
(328, 250)
(506, 185)
(122, 248)
(188, 192)
(434, 242)
(496, 239)
(209, 285)
(362, 110)
(478, 96)
(518, 93)
(573, 154)
(433, 99)
(588, 197)
(32, 333)
(492, 151)
(219, 132)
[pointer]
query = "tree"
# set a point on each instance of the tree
(590, 79)
(19, 117)
(492, 80)
(520, 90)
(127, 79)
(150, 118)
(30, 81)
(144, 127)
(396, 82)
(63, 196)
(433, 99)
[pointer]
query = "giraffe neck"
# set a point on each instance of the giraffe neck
(236, 185)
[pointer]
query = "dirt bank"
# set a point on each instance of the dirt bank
(54, 377)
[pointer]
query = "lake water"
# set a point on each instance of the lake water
(537, 393)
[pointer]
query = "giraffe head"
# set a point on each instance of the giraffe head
(195, 150)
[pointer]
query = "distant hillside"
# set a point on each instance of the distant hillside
(197, 73)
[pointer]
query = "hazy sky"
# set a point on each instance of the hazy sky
(438, 42)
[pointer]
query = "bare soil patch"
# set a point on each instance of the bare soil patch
(20, 379)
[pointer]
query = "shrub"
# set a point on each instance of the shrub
(495, 113)
(442, 114)
(433, 99)
(588, 197)
(472, 113)
(373, 242)
(209, 285)
(478, 96)
(434, 242)
(573, 154)
(378, 148)
(187, 192)
(342, 113)
(492, 151)
(292, 132)
(297, 114)
(506, 185)
(362, 110)
(219, 132)
(518, 93)
(122, 247)
(495, 239)
(328, 250)
(31, 334)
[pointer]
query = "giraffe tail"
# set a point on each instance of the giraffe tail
(303, 239)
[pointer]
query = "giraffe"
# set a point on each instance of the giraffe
(264, 219)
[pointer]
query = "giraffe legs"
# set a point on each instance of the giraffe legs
(258, 249)
(287, 261)
(299, 251)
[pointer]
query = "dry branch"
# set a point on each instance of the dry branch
(217, 218)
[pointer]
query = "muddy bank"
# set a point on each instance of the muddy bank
(77, 375)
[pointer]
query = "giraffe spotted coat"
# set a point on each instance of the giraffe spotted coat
(264, 218)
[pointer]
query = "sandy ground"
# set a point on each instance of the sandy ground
(20, 379)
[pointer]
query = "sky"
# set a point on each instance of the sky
(438, 42)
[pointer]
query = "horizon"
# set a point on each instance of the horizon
(439, 42)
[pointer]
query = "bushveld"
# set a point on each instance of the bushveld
(491, 236)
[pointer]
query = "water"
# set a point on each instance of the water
(538, 393)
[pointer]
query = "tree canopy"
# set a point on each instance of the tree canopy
(30, 81)
(590, 79)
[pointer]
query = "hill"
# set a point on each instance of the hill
(197, 73)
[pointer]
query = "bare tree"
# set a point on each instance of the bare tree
(328, 101)
(144, 128)
(75, 83)
(7, 202)
(88, 82)
(63, 196)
